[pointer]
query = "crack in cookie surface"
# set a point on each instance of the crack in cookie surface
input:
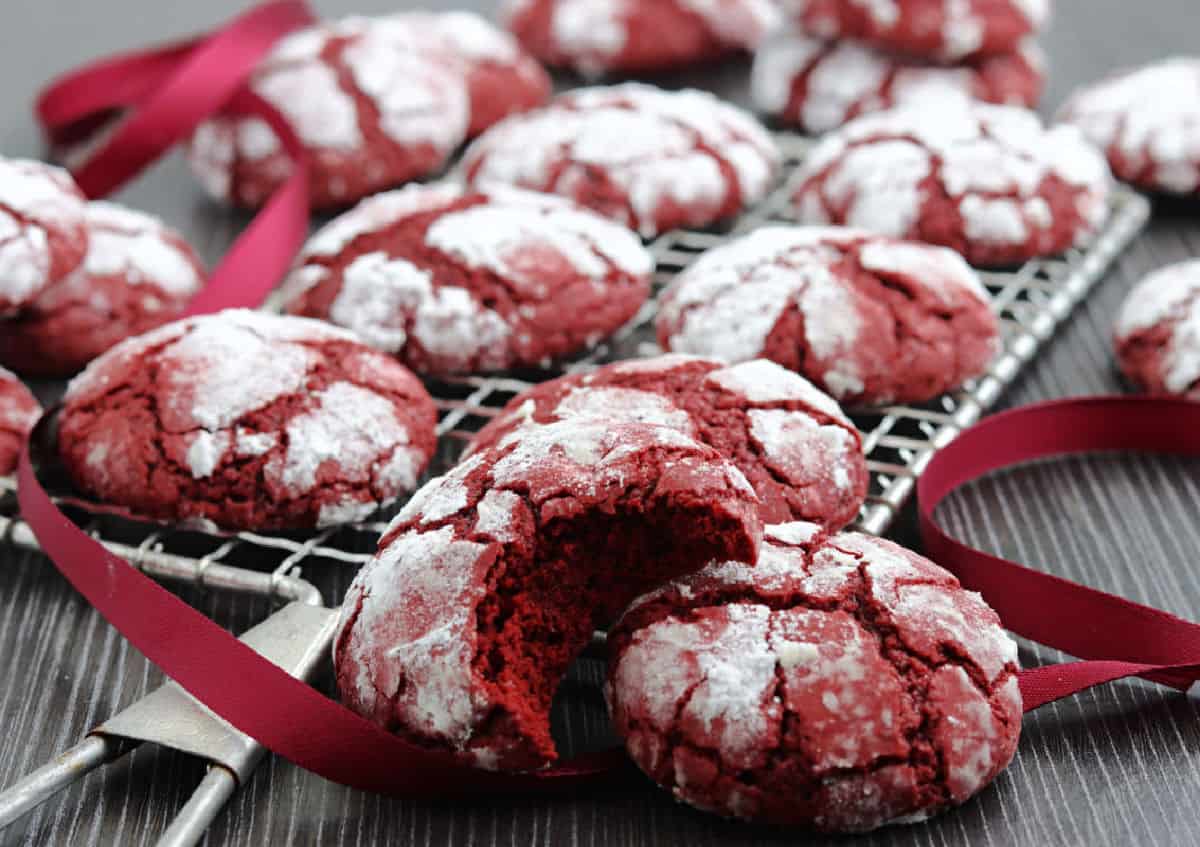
(898, 693)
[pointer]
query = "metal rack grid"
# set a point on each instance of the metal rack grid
(1032, 301)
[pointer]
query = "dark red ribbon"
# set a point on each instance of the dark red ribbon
(1116, 637)
(168, 92)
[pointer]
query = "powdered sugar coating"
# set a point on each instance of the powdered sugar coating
(598, 36)
(827, 656)
(371, 112)
(648, 158)
(43, 236)
(1158, 331)
(414, 625)
(942, 30)
(801, 454)
(19, 411)
(293, 421)
(823, 301)
(986, 180)
(1147, 120)
(501, 78)
(138, 274)
(818, 85)
(455, 281)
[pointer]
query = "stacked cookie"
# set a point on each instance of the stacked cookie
(844, 58)
(762, 665)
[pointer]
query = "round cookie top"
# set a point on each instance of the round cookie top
(627, 36)
(493, 577)
(1158, 331)
(19, 411)
(869, 319)
(501, 77)
(988, 181)
(842, 683)
(371, 112)
(944, 30)
(1148, 122)
(650, 158)
(818, 85)
(246, 420)
(43, 236)
(456, 281)
(802, 455)
(138, 274)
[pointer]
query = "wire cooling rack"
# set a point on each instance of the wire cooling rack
(1031, 301)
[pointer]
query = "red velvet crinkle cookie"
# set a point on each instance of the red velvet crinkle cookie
(988, 181)
(1158, 332)
(947, 30)
(501, 77)
(841, 684)
(802, 455)
(818, 85)
(455, 281)
(19, 411)
(868, 319)
(372, 114)
(493, 578)
(633, 36)
(138, 274)
(43, 236)
(1148, 122)
(246, 420)
(649, 158)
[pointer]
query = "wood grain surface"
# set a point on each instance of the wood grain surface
(1116, 766)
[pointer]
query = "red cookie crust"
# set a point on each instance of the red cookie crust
(19, 411)
(246, 421)
(818, 85)
(841, 684)
(372, 114)
(454, 281)
(1147, 120)
(494, 577)
(43, 236)
(802, 455)
(946, 30)
(651, 159)
(988, 181)
(138, 274)
(868, 319)
(1157, 335)
(595, 37)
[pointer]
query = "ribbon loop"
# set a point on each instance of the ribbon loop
(169, 91)
(1118, 637)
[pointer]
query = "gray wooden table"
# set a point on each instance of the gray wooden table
(1116, 766)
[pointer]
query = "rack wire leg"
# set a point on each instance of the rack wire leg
(205, 804)
(65, 769)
